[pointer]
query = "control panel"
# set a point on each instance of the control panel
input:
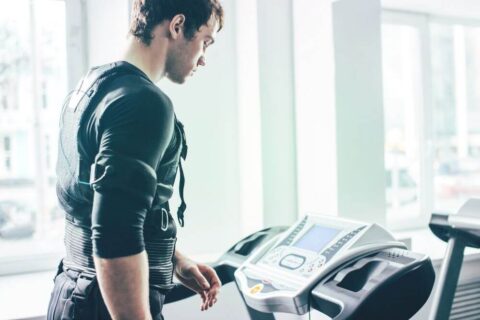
(279, 275)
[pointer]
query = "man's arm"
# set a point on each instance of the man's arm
(124, 286)
(133, 140)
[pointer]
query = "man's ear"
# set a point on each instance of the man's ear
(176, 26)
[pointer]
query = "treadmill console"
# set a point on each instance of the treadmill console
(280, 275)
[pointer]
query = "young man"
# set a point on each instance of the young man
(119, 149)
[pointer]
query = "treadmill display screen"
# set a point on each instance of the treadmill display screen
(316, 238)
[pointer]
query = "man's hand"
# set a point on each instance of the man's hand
(199, 277)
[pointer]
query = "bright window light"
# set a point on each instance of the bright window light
(33, 83)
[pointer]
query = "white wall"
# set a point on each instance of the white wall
(277, 96)
(359, 110)
(249, 116)
(315, 107)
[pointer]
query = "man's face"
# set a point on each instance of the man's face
(188, 54)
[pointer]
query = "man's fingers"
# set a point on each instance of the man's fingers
(213, 278)
(212, 296)
(213, 301)
(214, 291)
(207, 278)
(204, 296)
(205, 305)
(209, 301)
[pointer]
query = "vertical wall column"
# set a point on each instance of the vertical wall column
(249, 117)
(277, 111)
(315, 107)
(359, 109)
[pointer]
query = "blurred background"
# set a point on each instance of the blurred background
(362, 109)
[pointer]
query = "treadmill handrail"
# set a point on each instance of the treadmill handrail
(459, 230)
(464, 222)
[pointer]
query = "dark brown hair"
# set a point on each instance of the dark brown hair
(146, 14)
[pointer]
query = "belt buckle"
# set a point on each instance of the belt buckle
(83, 286)
(86, 276)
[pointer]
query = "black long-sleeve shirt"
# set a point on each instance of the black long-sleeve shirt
(131, 119)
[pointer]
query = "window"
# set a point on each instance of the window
(3, 102)
(33, 80)
(403, 99)
(6, 144)
(6, 153)
(8, 165)
(431, 74)
(456, 113)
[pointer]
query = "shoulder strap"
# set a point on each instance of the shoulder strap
(183, 156)
(90, 84)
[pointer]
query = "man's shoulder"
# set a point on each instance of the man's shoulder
(130, 86)
(123, 81)
(137, 93)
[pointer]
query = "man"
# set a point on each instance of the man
(119, 149)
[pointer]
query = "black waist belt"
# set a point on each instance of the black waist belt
(79, 254)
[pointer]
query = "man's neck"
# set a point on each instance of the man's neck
(150, 59)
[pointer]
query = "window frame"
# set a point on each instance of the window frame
(420, 22)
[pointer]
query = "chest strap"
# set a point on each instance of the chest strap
(183, 156)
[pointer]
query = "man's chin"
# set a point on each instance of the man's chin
(177, 80)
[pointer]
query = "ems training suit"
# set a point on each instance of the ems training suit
(120, 146)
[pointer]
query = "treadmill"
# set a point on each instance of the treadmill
(325, 267)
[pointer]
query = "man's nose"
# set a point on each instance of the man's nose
(202, 62)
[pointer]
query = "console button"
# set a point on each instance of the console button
(292, 261)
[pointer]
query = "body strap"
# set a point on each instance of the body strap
(183, 156)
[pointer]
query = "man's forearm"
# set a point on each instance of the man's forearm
(124, 286)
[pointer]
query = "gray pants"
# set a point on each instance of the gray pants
(77, 296)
